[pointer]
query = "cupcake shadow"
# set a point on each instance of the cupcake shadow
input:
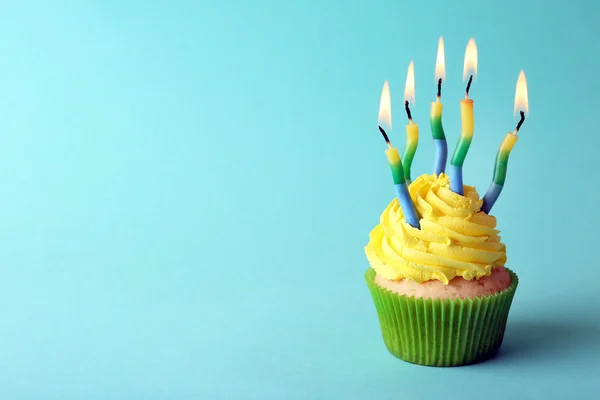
(544, 341)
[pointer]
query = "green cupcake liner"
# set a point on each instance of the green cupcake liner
(442, 333)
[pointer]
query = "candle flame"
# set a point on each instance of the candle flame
(409, 89)
(385, 108)
(521, 96)
(440, 62)
(470, 66)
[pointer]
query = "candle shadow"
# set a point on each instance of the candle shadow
(543, 341)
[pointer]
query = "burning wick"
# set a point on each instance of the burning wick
(468, 86)
(385, 137)
(407, 111)
(520, 122)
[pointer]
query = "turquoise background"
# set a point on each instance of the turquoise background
(187, 188)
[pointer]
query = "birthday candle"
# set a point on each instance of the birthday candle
(385, 120)
(437, 130)
(412, 129)
(468, 125)
(521, 106)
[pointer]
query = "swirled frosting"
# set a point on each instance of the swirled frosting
(455, 239)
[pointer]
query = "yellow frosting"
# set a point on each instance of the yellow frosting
(455, 239)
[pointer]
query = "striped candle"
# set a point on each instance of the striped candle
(412, 129)
(462, 147)
(439, 138)
(499, 172)
(398, 173)
(466, 114)
(522, 106)
(412, 141)
(437, 130)
(408, 208)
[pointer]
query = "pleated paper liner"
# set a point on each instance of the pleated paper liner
(442, 333)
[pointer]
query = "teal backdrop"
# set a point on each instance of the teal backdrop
(186, 190)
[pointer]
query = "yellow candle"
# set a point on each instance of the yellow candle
(412, 133)
(466, 115)
(436, 110)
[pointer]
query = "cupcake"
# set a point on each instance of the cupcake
(441, 291)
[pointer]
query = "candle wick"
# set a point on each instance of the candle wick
(439, 92)
(520, 122)
(407, 111)
(469, 86)
(385, 137)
